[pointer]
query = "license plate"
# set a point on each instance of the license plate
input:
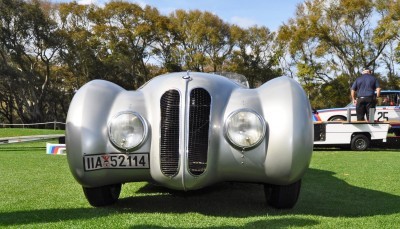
(116, 161)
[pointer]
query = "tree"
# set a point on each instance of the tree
(165, 48)
(29, 42)
(390, 24)
(216, 39)
(126, 33)
(255, 57)
(328, 39)
(79, 57)
(7, 97)
(189, 29)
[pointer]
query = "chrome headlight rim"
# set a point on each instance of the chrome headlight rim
(229, 119)
(144, 135)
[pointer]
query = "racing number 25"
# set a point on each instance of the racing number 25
(382, 115)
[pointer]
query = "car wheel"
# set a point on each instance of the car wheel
(396, 132)
(282, 196)
(337, 118)
(359, 142)
(102, 196)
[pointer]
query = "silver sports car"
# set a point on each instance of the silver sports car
(189, 130)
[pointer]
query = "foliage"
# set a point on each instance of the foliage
(49, 50)
(338, 38)
(29, 41)
(256, 57)
(325, 95)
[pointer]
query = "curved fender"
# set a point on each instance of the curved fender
(288, 115)
(86, 125)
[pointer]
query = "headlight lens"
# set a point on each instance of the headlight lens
(245, 128)
(127, 130)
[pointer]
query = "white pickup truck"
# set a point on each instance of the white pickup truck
(357, 135)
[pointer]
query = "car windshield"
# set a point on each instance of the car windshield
(388, 99)
(238, 78)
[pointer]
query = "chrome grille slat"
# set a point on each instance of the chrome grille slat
(199, 121)
(169, 146)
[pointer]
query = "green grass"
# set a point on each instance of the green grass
(14, 132)
(341, 189)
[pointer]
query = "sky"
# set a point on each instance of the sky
(244, 13)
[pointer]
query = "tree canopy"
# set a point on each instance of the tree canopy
(329, 42)
(49, 50)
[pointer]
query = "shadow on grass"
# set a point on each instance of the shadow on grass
(271, 223)
(322, 194)
(325, 195)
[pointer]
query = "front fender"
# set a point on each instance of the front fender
(86, 132)
(287, 112)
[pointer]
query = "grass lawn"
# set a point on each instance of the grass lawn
(342, 189)
(14, 132)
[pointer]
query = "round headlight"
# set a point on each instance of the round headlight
(127, 130)
(245, 128)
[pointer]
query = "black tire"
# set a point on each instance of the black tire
(102, 196)
(337, 118)
(282, 196)
(359, 142)
(396, 132)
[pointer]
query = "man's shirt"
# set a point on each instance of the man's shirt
(365, 85)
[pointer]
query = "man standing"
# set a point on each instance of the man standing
(364, 88)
